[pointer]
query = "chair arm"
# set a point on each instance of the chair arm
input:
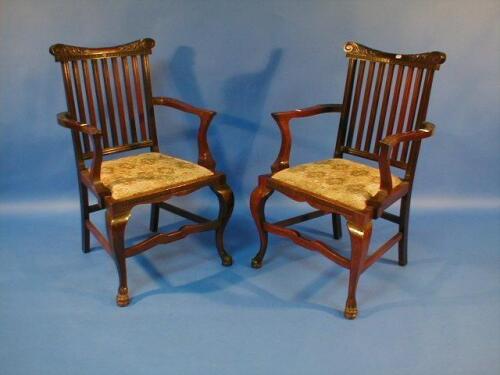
(386, 145)
(309, 111)
(181, 106)
(64, 119)
(205, 158)
(283, 120)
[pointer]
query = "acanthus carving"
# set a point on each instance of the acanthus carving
(65, 52)
(426, 60)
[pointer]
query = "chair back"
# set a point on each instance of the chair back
(385, 94)
(110, 88)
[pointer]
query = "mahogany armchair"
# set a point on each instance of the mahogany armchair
(111, 111)
(382, 119)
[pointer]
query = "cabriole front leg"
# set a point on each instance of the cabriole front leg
(360, 241)
(226, 205)
(257, 205)
(116, 223)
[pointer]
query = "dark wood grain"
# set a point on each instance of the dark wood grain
(112, 112)
(119, 101)
(368, 128)
(374, 107)
(130, 101)
(139, 97)
(364, 108)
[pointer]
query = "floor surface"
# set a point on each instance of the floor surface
(189, 315)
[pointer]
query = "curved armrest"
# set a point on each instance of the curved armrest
(283, 120)
(205, 158)
(386, 145)
(64, 119)
(309, 111)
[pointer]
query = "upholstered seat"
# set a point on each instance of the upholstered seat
(340, 180)
(111, 111)
(148, 172)
(381, 120)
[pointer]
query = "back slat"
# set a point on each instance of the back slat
(404, 105)
(100, 103)
(81, 107)
(355, 103)
(68, 89)
(346, 104)
(138, 95)
(109, 99)
(425, 98)
(373, 112)
(383, 109)
(146, 73)
(88, 92)
(364, 108)
(119, 101)
(413, 109)
(130, 101)
(395, 100)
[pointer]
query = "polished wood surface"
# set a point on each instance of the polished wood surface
(110, 111)
(382, 118)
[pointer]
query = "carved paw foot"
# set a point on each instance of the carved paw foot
(227, 260)
(122, 298)
(256, 263)
(350, 312)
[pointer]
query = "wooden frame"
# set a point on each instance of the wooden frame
(376, 123)
(111, 110)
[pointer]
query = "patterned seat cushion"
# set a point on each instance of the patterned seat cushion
(340, 180)
(148, 172)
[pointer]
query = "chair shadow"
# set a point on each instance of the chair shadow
(280, 255)
(237, 275)
(244, 97)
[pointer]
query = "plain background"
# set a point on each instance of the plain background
(245, 59)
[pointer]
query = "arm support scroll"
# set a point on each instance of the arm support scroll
(386, 145)
(205, 158)
(283, 121)
(64, 119)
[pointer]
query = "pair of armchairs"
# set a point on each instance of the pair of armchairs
(382, 118)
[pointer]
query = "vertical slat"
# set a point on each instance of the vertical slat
(383, 108)
(413, 109)
(138, 95)
(68, 89)
(354, 110)
(426, 94)
(88, 92)
(422, 112)
(404, 106)
(100, 102)
(146, 74)
(346, 104)
(81, 107)
(364, 109)
(395, 100)
(373, 112)
(130, 102)
(119, 100)
(109, 100)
